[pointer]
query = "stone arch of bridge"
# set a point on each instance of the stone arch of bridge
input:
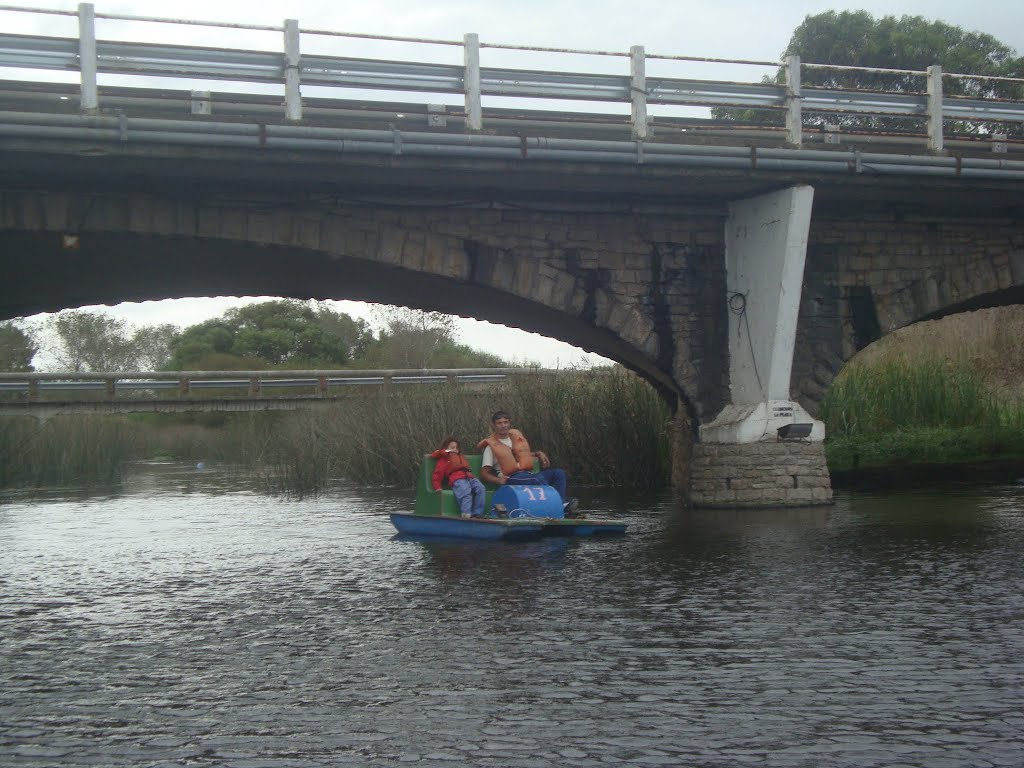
(54, 271)
(837, 321)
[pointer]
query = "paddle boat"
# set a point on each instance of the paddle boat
(511, 512)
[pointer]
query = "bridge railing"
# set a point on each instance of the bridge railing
(36, 386)
(293, 68)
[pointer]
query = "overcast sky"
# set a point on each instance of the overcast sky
(740, 29)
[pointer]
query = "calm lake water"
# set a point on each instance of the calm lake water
(187, 621)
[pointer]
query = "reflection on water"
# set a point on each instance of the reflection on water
(186, 620)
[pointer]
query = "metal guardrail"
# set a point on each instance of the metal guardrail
(291, 68)
(44, 395)
(320, 383)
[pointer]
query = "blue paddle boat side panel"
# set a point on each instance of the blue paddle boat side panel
(466, 528)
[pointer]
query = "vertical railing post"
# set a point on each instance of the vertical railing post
(111, 387)
(935, 142)
(254, 386)
(638, 91)
(321, 386)
(201, 103)
(794, 115)
(292, 94)
(184, 386)
(33, 389)
(471, 82)
(87, 57)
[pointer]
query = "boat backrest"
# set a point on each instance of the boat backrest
(429, 502)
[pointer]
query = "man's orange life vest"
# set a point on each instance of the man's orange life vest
(510, 460)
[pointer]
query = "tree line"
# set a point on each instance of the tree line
(856, 38)
(284, 333)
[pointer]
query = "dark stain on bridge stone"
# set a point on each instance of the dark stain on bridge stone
(483, 262)
(472, 251)
(593, 280)
(661, 312)
(863, 316)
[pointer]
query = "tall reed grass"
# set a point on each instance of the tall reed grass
(920, 409)
(603, 428)
(87, 451)
(901, 394)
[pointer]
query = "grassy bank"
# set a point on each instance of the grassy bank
(947, 392)
(608, 429)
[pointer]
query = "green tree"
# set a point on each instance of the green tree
(152, 345)
(416, 339)
(856, 38)
(91, 341)
(17, 347)
(411, 338)
(275, 333)
(355, 333)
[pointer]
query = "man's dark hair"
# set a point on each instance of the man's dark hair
(500, 415)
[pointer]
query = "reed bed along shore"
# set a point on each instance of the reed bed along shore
(72, 452)
(949, 391)
(605, 428)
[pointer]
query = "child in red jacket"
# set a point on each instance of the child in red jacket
(452, 466)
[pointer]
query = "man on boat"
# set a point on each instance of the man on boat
(507, 458)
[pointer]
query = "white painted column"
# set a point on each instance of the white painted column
(765, 250)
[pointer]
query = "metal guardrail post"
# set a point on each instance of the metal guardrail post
(935, 142)
(638, 91)
(292, 94)
(254, 386)
(87, 57)
(33, 389)
(321, 386)
(471, 82)
(201, 103)
(111, 387)
(184, 386)
(794, 115)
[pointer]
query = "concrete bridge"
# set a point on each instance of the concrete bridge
(735, 268)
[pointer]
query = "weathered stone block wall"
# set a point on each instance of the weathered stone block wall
(766, 474)
(870, 271)
(644, 286)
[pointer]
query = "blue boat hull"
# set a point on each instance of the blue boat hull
(465, 528)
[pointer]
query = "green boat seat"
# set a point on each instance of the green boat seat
(430, 502)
